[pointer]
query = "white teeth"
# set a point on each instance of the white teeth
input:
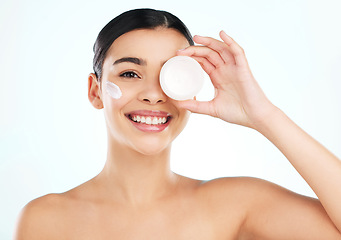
(149, 120)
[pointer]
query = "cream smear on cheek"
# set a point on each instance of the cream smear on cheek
(113, 90)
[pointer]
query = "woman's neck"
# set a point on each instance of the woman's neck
(134, 178)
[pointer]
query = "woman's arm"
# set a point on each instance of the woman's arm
(319, 167)
(240, 100)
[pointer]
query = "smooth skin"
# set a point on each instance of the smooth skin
(137, 196)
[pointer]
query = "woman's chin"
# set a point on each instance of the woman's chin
(151, 148)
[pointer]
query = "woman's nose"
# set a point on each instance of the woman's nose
(152, 93)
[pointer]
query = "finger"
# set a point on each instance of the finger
(209, 69)
(205, 64)
(197, 106)
(235, 49)
(218, 46)
(202, 51)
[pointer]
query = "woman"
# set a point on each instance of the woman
(137, 196)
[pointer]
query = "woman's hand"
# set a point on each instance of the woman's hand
(238, 98)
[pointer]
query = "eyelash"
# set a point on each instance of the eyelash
(129, 75)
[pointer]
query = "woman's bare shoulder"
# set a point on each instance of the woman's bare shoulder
(45, 217)
(37, 219)
(240, 191)
(227, 184)
(240, 184)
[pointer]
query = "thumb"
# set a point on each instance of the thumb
(196, 106)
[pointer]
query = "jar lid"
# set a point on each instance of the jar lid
(181, 78)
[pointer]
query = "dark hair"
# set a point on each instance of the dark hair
(144, 18)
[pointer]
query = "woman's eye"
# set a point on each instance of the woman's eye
(129, 75)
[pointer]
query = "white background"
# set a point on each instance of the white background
(52, 139)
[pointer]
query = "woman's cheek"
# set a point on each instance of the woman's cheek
(113, 90)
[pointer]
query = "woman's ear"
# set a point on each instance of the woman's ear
(94, 91)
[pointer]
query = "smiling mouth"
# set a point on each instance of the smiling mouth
(149, 121)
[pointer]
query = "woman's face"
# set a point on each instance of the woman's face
(133, 63)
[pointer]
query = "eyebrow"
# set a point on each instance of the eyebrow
(134, 60)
